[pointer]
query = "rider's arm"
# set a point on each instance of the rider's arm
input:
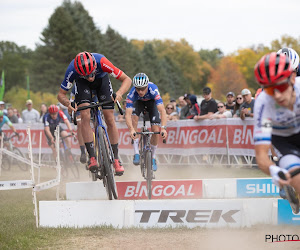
(163, 115)
(63, 99)
(47, 131)
(262, 157)
(126, 84)
(128, 119)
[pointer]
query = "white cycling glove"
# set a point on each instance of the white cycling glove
(274, 170)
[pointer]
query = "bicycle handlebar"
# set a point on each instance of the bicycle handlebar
(150, 133)
(294, 173)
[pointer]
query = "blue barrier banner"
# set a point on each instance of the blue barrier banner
(286, 215)
(256, 188)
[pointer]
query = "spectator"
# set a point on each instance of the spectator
(17, 114)
(222, 112)
(30, 115)
(191, 109)
(230, 102)
(208, 105)
(43, 111)
(176, 108)
(247, 107)
(11, 116)
(181, 103)
(239, 101)
(172, 115)
(2, 107)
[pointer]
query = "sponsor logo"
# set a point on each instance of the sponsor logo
(187, 216)
(186, 189)
(69, 85)
(286, 215)
(87, 91)
(157, 97)
(108, 67)
(102, 97)
(256, 188)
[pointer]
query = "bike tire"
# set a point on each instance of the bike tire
(108, 164)
(5, 163)
(72, 164)
(292, 197)
(149, 174)
(23, 166)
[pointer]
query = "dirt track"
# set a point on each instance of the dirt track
(247, 238)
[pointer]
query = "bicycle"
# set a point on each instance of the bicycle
(146, 159)
(103, 149)
(67, 159)
(292, 196)
(7, 161)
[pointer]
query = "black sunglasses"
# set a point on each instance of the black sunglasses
(220, 106)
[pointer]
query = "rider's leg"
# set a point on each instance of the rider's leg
(113, 135)
(154, 142)
(136, 157)
(87, 133)
(80, 140)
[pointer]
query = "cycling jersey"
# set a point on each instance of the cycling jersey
(5, 120)
(104, 66)
(272, 119)
(53, 123)
(152, 94)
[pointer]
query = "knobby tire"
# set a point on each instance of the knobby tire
(148, 161)
(21, 165)
(108, 164)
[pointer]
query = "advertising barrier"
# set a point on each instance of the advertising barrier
(185, 137)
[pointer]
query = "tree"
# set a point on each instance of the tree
(227, 77)
(211, 56)
(15, 61)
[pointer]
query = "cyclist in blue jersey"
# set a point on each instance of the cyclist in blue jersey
(89, 71)
(145, 95)
(277, 118)
(52, 119)
(4, 120)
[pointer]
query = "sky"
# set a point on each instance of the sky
(228, 25)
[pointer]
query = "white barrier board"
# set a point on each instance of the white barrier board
(159, 213)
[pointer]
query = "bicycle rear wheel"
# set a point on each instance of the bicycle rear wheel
(5, 163)
(108, 164)
(149, 174)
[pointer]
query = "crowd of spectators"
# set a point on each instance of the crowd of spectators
(185, 107)
(29, 114)
(236, 105)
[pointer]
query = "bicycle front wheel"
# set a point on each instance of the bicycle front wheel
(108, 164)
(149, 174)
(69, 157)
(23, 166)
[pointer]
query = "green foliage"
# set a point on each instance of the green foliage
(18, 96)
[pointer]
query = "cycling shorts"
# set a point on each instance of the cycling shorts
(102, 86)
(287, 145)
(150, 107)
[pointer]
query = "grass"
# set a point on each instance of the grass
(17, 221)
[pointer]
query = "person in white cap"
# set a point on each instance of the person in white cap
(30, 115)
(246, 109)
(2, 107)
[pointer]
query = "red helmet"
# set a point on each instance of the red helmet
(273, 69)
(53, 109)
(85, 63)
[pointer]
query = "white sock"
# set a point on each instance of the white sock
(153, 148)
(136, 146)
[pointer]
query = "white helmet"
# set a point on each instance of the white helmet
(292, 55)
(140, 80)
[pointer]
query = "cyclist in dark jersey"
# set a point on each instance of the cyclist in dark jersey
(89, 71)
(145, 95)
(51, 121)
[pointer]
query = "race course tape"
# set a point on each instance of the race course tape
(18, 184)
